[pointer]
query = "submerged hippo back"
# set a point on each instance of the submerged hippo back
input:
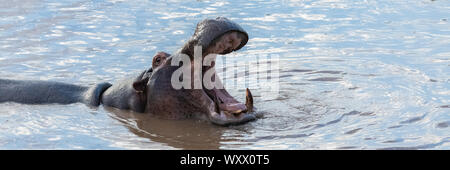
(44, 92)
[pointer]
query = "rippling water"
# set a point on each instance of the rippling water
(353, 74)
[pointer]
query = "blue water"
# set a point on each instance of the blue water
(353, 74)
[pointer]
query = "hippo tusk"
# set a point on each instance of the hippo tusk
(249, 100)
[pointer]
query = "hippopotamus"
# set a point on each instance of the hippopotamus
(151, 92)
(213, 36)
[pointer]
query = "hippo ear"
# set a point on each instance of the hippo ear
(140, 85)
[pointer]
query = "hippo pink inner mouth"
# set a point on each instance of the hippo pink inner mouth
(223, 100)
(228, 110)
(226, 102)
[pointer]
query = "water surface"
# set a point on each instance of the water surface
(353, 74)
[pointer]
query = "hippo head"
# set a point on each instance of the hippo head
(214, 36)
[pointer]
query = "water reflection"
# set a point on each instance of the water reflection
(184, 134)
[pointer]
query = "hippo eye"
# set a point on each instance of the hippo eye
(157, 60)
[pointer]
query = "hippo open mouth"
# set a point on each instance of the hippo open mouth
(227, 110)
(222, 36)
(212, 104)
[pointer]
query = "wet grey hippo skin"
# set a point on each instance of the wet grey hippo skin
(131, 93)
(151, 91)
(45, 92)
(41, 92)
(127, 94)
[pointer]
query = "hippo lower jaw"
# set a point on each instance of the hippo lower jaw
(222, 115)
(225, 120)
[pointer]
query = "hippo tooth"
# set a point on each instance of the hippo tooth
(249, 100)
